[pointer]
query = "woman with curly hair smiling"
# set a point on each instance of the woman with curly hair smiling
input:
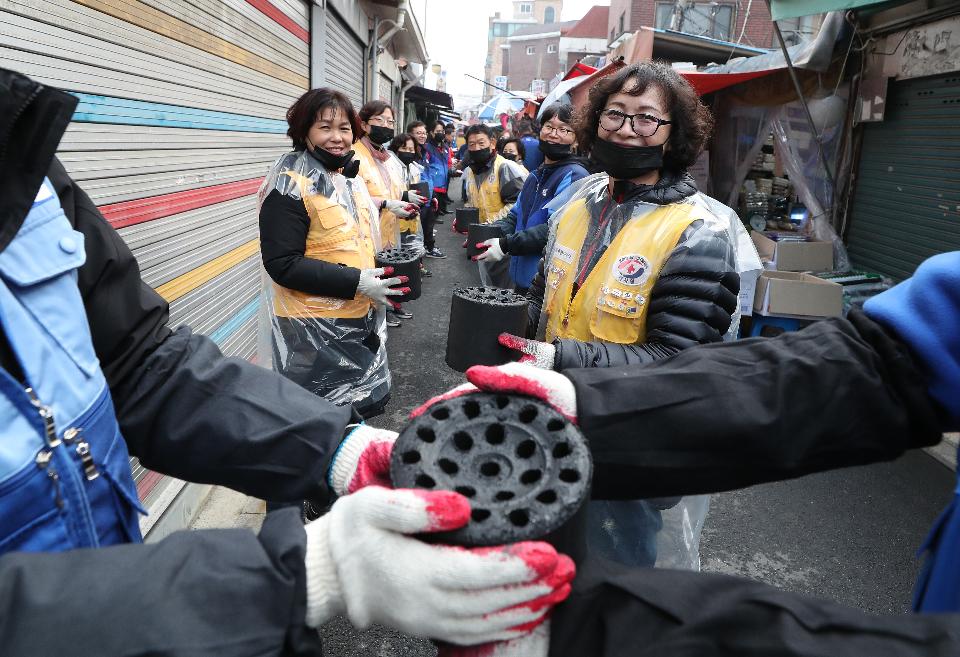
(639, 265)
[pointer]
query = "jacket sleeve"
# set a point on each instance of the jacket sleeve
(204, 593)
(535, 297)
(531, 241)
(724, 416)
(614, 611)
(283, 237)
(692, 302)
(185, 409)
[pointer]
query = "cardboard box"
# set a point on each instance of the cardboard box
(748, 290)
(794, 256)
(789, 294)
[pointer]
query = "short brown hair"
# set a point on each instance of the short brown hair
(374, 108)
(307, 110)
(691, 121)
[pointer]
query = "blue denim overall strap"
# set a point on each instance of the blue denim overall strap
(65, 478)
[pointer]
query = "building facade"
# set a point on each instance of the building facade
(725, 20)
(525, 14)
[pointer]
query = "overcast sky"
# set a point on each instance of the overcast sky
(456, 35)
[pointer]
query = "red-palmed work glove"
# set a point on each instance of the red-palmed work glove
(412, 197)
(492, 252)
(381, 289)
(362, 459)
(361, 562)
(402, 209)
(541, 354)
(525, 379)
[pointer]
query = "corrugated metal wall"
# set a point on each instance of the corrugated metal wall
(906, 205)
(182, 106)
(344, 59)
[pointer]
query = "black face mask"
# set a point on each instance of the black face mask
(509, 156)
(380, 134)
(333, 162)
(479, 159)
(555, 151)
(438, 139)
(626, 162)
(407, 158)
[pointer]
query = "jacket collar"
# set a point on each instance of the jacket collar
(32, 121)
(671, 188)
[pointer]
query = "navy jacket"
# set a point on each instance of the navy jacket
(526, 225)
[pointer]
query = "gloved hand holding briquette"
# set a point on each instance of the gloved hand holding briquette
(381, 289)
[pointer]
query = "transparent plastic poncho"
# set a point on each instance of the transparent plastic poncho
(335, 348)
(662, 532)
(412, 175)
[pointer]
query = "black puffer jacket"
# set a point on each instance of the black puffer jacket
(691, 303)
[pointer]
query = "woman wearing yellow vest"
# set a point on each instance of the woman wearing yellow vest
(638, 266)
(319, 232)
(493, 185)
(385, 177)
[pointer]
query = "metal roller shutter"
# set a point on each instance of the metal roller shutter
(182, 106)
(906, 205)
(386, 89)
(344, 60)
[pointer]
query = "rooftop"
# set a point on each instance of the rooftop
(544, 28)
(593, 25)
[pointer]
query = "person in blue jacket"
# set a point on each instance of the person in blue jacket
(525, 228)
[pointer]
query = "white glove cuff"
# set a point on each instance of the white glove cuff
(344, 463)
(324, 595)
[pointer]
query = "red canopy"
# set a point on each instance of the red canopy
(578, 70)
(705, 83)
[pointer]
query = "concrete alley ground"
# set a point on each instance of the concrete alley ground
(849, 535)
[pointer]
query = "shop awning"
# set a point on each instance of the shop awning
(706, 83)
(781, 9)
(578, 70)
(574, 89)
(437, 98)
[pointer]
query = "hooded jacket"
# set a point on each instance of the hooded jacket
(184, 410)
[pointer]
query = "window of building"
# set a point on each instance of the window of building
(549, 15)
(623, 22)
(526, 8)
(711, 19)
(551, 47)
(613, 34)
(531, 50)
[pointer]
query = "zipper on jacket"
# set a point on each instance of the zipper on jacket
(73, 435)
(46, 414)
(43, 462)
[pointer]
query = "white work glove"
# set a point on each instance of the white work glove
(381, 289)
(411, 196)
(362, 459)
(360, 562)
(402, 209)
(541, 354)
(493, 252)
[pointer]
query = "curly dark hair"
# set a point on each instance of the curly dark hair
(691, 121)
(307, 110)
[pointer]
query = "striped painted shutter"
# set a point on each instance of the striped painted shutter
(182, 106)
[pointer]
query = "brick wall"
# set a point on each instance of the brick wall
(618, 8)
(759, 30)
(525, 68)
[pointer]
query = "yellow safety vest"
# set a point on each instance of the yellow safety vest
(486, 193)
(611, 304)
(390, 188)
(335, 235)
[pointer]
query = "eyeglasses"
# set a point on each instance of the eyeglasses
(379, 120)
(643, 125)
(559, 131)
